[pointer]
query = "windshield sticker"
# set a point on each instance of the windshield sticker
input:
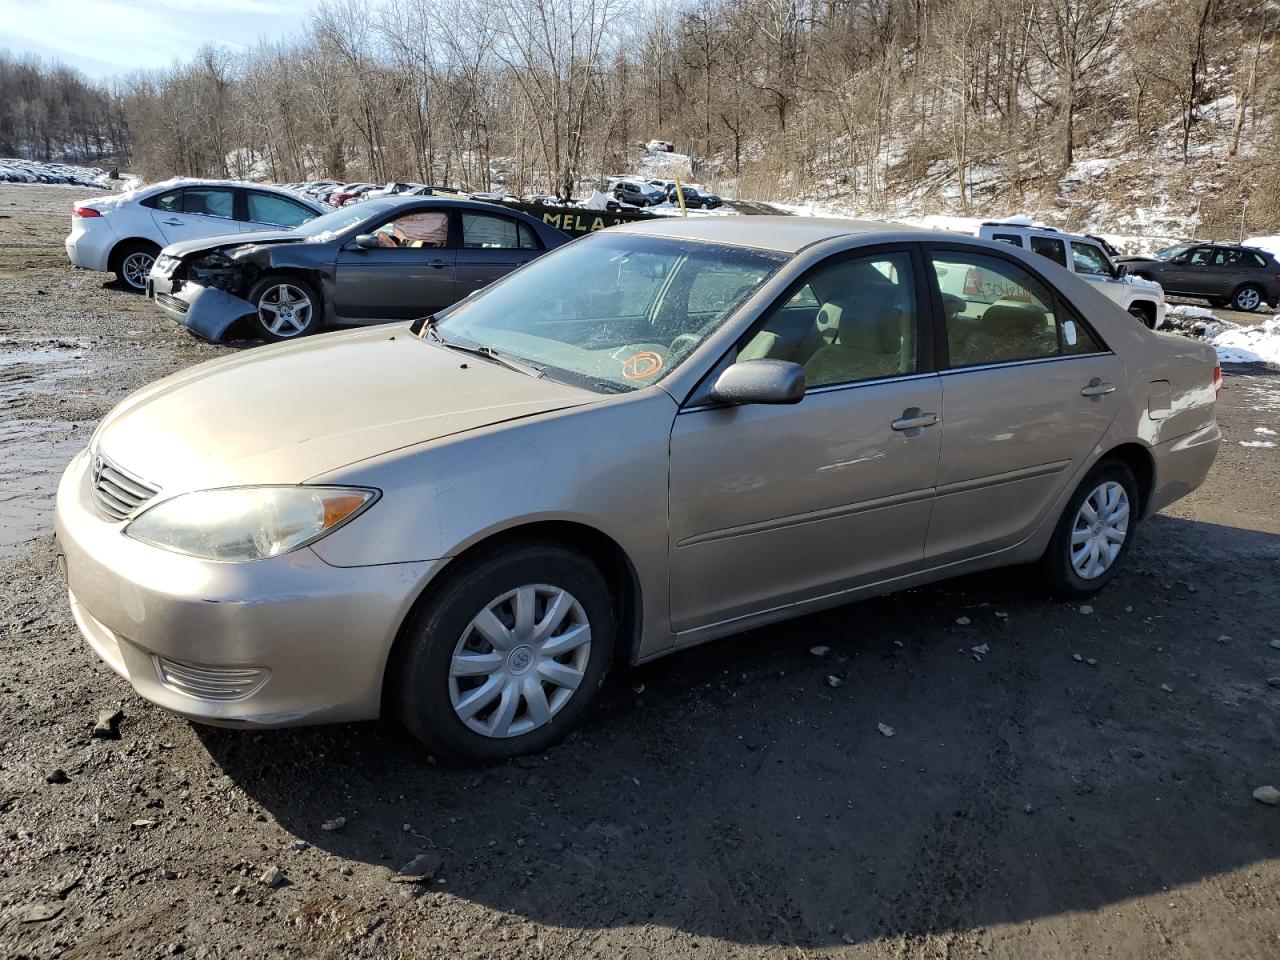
(642, 366)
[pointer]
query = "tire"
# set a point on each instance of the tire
(1248, 298)
(1144, 314)
(459, 717)
(131, 262)
(1218, 301)
(301, 318)
(1064, 576)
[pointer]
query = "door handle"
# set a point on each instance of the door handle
(173, 222)
(1096, 389)
(914, 420)
(437, 263)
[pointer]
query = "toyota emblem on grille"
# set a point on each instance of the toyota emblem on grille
(98, 467)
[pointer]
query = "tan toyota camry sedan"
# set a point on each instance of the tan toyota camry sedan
(655, 436)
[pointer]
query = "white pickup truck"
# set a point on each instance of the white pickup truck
(1086, 257)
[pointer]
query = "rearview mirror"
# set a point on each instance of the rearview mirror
(367, 241)
(760, 381)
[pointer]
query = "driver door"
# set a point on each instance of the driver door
(1188, 272)
(410, 274)
(776, 505)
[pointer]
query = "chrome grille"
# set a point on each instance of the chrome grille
(210, 683)
(117, 492)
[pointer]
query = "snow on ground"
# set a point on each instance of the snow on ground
(36, 171)
(1260, 344)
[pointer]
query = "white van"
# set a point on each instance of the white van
(1087, 257)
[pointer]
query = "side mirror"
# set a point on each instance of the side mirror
(760, 381)
(1122, 271)
(367, 241)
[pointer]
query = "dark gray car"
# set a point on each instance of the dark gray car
(391, 258)
(1223, 274)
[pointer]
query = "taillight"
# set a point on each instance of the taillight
(1217, 377)
(81, 211)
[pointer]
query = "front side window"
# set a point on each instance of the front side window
(1089, 260)
(276, 210)
(852, 320)
(1200, 256)
(209, 201)
(1050, 247)
(611, 313)
(423, 228)
(997, 312)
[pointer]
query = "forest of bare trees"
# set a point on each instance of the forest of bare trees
(870, 100)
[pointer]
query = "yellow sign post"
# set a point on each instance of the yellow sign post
(680, 197)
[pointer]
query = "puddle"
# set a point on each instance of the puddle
(35, 451)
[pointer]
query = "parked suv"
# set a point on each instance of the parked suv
(124, 232)
(638, 193)
(1222, 273)
(1086, 257)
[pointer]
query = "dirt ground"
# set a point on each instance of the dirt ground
(729, 802)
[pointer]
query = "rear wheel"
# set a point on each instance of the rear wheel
(507, 655)
(1094, 532)
(1248, 298)
(287, 307)
(133, 262)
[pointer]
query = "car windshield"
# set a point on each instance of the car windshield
(1168, 253)
(331, 224)
(611, 312)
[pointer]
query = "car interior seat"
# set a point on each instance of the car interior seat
(866, 341)
(1006, 331)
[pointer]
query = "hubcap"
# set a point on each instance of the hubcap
(285, 310)
(135, 268)
(1099, 530)
(519, 661)
(1247, 299)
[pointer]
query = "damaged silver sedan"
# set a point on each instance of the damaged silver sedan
(388, 259)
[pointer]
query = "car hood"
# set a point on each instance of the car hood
(184, 247)
(287, 413)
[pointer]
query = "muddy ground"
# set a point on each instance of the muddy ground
(729, 802)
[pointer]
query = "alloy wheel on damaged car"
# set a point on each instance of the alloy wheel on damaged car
(519, 661)
(1100, 527)
(285, 310)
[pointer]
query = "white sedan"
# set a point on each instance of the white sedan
(124, 232)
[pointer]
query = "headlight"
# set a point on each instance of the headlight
(248, 523)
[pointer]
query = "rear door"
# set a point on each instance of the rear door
(1028, 389)
(492, 245)
(410, 273)
(190, 213)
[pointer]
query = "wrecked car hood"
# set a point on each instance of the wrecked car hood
(184, 247)
(287, 413)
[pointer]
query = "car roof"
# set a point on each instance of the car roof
(783, 234)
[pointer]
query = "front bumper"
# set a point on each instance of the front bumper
(290, 640)
(206, 311)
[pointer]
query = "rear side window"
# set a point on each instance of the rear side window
(276, 210)
(209, 201)
(1089, 260)
(170, 202)
(999, 313)
(483, 231)
(1012, 238)
(1052, 248)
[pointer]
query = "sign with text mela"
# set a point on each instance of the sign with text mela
(578, 221)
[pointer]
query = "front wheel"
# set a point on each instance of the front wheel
(1146, 315)
(1248, 298)
(507, 655)
(1094, 532)
(287, 308)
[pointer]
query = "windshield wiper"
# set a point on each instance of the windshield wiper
(480, 350)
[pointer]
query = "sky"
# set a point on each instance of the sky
(107, 37)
